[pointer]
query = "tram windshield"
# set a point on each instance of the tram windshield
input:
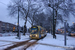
(34, 30)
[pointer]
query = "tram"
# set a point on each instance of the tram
(37, 32)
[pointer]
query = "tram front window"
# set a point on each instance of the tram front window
(33, 30)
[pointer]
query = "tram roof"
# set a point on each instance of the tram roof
(38, 26)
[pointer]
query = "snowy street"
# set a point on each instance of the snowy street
(24, 23)
(48, 43)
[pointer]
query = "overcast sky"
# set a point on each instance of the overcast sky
(6, 18)
(4, 14)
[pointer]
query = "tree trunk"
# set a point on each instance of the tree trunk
(51, 28)
(55, 23)
(55, 19)
(25, 29)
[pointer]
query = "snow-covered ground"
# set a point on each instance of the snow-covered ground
(48, 43)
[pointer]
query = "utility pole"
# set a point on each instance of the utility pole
(18, 35)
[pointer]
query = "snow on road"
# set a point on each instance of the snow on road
(54, 44)
(44, 47)
(59, 41)
(48, 43)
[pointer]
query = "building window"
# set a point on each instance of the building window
(7, 25)
(3, 28)
(3, 24)
(11, 27)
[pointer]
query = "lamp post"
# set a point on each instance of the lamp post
(18, 35)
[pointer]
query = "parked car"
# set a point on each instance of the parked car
(57, 32)
(72, 34)
(69, 34)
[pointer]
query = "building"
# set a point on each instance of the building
(7, 27)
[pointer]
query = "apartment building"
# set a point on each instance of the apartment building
(6, 27)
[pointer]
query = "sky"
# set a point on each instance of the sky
(6, 18)
(4, 15)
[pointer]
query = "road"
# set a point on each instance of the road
(71, 49)
(73, 36)
(67, 35)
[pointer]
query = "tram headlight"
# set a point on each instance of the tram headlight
(30, 35)
(36, 35)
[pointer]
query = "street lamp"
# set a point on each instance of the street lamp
(18, 35)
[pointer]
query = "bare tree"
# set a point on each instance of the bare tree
(39, 11)
(34, 10)
(26, 7)
(62, 8)
(33, 14)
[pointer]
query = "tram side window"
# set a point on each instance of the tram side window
(42, 31)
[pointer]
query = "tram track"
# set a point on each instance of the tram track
(7, 44)
(26, 44)
(16, 45)
(29, 44)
